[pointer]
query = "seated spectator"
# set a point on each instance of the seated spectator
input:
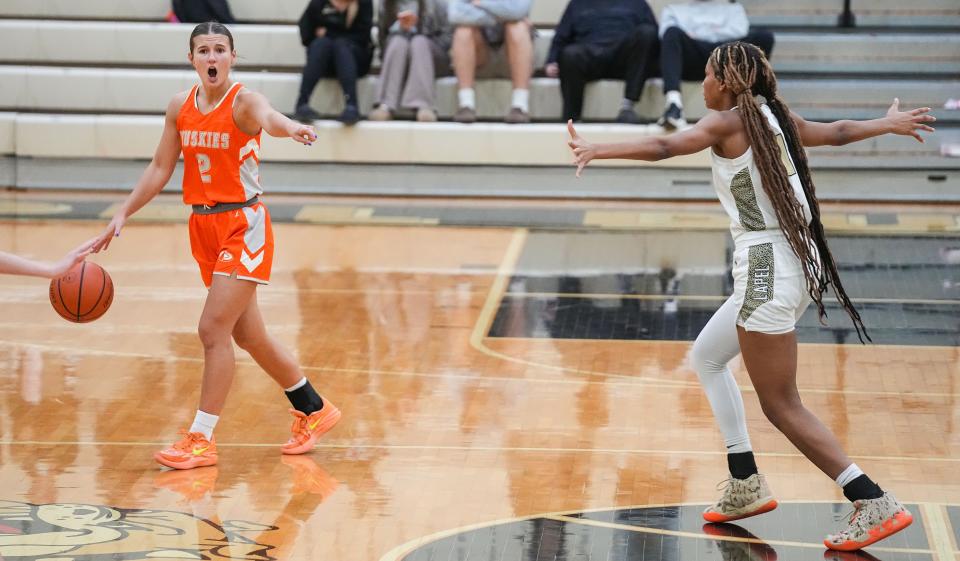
(688, 34)
(417, 40)
(199, 11)
(597, 39)
(336, 34)
(492, 39)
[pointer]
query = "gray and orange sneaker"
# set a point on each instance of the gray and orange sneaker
(751, 548)
(741, 498)
(871, 521)
(306, 429)
(193, 450)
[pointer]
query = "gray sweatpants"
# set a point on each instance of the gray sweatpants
(410, 66)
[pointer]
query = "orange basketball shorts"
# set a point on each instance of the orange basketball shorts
(237, 242)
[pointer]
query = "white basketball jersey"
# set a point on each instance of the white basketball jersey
(739, 186)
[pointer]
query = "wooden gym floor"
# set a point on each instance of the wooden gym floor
(509, 393)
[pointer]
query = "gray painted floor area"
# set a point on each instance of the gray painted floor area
(854, 184)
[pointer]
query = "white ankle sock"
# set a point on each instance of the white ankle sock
(467, 97)
(298, 385)
(626, 104)
(852, 472)
(674, 98)
(521, 100)
(204, 423)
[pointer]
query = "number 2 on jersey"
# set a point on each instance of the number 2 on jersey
(203, 162)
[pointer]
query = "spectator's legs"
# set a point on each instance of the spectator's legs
(346, 63)
(419, 89)
(469, 50)
(393, 71)
(681, 57)
(319, 61)
(762, 38)
(634, 56)
(519, 47)
(671, 58)
(576, 65)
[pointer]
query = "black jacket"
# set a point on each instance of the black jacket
(200, 11)
(320, 13)
(599, 22)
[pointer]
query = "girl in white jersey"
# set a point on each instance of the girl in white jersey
(781, 263)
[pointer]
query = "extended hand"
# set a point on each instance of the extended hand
(583, 151)
(304, 134)
(102, 241)
(908, 123)
(76, 255)
(408, 20)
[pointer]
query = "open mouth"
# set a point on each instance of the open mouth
(212, 72)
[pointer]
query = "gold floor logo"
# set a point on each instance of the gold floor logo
(85, 532)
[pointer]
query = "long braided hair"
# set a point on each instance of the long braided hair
(744, 69)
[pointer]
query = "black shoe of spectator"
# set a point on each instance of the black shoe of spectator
(465, 115)
(628, 116)
(672, 118)
(350, 115)
(306, 114)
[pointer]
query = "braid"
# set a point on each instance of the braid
(745, 71)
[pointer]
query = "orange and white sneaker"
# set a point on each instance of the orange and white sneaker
(193, 485)
(308, 477)
(741, 498)
(306, 429)
(871, 521)
(193, 450)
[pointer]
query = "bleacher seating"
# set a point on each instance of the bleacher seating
(545, 13)
(104, 69)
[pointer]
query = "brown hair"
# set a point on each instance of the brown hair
(744, 69)
(211, 28)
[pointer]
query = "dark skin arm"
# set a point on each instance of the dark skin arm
(712, 130)
(840, 133)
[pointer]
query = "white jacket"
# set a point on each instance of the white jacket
(488, 12)
(713, 21)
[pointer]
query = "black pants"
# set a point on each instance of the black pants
(340, 57)
(682, 57)
(199, 11)
(630, 59)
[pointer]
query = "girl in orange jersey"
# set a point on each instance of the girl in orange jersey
(217, 126)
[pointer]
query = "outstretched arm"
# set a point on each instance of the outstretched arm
(11, 264)
(154, 178)
(839, 133)
(254, 112)
(706, 133)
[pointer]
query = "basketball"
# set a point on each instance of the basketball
(83, 294)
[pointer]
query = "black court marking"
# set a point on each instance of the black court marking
(673, 533)
(648, 286)
(668, 319)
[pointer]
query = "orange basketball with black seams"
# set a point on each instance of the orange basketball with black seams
(83, 294)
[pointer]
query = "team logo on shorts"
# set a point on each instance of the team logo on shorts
(225, 256)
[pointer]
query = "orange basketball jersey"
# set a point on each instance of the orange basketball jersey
(221, 164)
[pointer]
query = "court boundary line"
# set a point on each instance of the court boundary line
(466, 448)
(398, 552)
(618, 379)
